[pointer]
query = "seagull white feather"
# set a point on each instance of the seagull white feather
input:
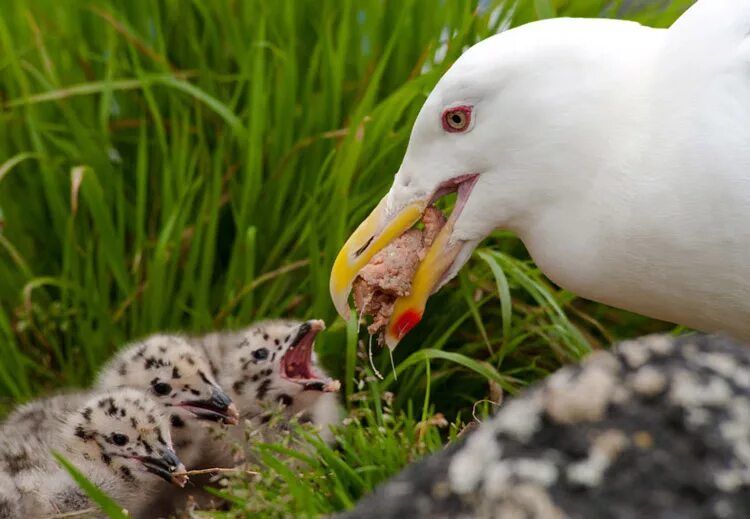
(618, 153)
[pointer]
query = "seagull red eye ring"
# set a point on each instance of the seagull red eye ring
(457, 119)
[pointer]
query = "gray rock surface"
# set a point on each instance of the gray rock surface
(658, 428)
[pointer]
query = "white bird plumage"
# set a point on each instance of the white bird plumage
(619, 154)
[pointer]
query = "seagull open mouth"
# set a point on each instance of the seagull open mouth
(216, 408)
(167, 467)
(463, 186)
(296, 364)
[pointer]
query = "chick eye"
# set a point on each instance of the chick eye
(260, 354)
(119, 439)
(457, 119)
(162, 388)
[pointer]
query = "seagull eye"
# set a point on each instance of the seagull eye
(457, 119)
(260, 354)
(119, 439)
(162, 388)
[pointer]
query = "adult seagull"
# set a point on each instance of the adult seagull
(619, 154)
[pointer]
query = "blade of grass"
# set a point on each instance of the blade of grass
(106, 503)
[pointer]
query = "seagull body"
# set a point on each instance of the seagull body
(619, 154)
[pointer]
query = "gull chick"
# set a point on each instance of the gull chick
(119, 440)
(178, 376)
(273, 362)
(27, 432)
(10, 499)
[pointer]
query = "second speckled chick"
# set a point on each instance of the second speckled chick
(272, 363)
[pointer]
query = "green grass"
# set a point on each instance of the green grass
(368, 450)
(102, 500)
(191, 165)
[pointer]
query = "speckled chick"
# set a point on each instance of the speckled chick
(120, 440)
(10, 498)
(269, 364)
(37, 422)
(178, 375)
(658, 428)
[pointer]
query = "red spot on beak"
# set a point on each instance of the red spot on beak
(405, 323)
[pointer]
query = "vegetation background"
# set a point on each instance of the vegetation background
(192, 165)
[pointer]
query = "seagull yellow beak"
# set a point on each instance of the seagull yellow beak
(372, 235)
(378, 230)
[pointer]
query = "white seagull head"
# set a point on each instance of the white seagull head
(514, 127)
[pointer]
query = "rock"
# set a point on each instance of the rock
(657, 428)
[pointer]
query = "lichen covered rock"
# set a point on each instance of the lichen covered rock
(658, 428)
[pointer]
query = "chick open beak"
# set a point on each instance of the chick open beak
(167, 466)
(217, 408)
(296, 363)
(377, 231)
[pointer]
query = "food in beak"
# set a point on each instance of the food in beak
(389, 274)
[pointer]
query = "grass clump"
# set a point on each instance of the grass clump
(303, 476)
